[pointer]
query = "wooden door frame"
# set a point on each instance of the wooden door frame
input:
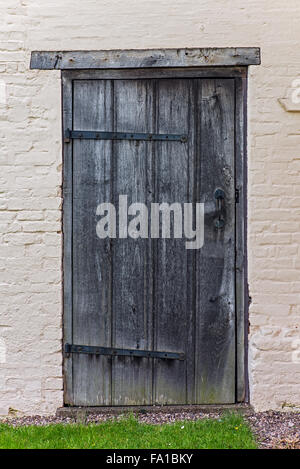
(229, 62)
(239, 74)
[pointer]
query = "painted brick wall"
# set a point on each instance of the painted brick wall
(30, 178)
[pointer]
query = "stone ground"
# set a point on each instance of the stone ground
(279, 430)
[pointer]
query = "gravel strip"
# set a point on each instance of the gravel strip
(148, 417)
(280, 430)
(37, 420)
(272, 429)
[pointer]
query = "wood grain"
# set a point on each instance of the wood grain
(153, 294)
(92, 312)
(172, 308)
(148, 58)
(215, 270)
(132, 300)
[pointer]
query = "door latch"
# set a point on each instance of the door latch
(220, 197)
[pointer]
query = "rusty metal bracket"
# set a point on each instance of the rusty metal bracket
(100, 135)
(117, 352)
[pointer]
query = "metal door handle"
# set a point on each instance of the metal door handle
(220, 199)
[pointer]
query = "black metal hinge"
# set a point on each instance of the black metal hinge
(237, 196)
(71, 348)
(99, 135)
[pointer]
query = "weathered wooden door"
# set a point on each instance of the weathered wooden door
(131, 294)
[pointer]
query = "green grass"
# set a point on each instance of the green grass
(230, 431)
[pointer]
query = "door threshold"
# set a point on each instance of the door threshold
(75, 412)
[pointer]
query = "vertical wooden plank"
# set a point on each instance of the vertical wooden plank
(241, 230)
(173, 307)
(92, 179)
(67, 110)
(193, 154)
(215, 299)
(132, 270)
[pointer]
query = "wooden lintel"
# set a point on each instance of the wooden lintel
(150, 58)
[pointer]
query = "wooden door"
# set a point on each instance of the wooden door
(150, 294)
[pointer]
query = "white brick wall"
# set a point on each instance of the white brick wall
(30, 177)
